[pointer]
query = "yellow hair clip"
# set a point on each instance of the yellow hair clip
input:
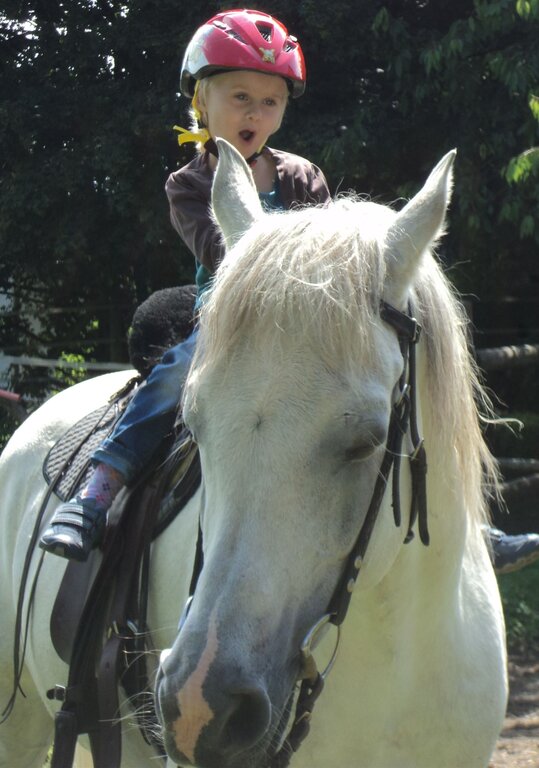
(202, 135)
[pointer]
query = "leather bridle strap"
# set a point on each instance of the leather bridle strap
(418, 464)
(340, 601)
(403, 417)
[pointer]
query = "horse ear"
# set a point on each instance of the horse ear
(234, 197)
(418, 226)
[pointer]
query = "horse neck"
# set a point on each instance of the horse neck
(411, 601)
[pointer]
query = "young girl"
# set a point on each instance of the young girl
(239, 70)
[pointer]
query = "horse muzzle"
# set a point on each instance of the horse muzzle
(214, 726)
(221, 716)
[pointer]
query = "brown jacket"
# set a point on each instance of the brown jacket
(188, 191)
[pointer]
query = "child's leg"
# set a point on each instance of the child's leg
(77, 526)
(150, 415)
(103, 485)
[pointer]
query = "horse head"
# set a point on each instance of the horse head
(290, 399)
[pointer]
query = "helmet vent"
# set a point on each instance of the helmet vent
(235, 35)
(290, 46)
(266, 32)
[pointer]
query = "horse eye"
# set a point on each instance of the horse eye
(359, 452)
(364, 436)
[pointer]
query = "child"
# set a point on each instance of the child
(239, 69)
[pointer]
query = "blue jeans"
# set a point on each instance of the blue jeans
(150, 415)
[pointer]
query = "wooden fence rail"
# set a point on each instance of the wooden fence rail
(498, 358)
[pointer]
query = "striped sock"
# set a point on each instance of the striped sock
(103, 485)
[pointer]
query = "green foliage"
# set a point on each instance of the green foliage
(8, 424)
(524, 165)
(88, 98)
(87, 103)
(437, 76)
(527, 8)
(67, 377)
(520, 598)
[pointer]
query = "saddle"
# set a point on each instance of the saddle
(98, 622)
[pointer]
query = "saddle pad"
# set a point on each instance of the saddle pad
(183, 475)
(67, 464)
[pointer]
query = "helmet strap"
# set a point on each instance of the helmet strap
(211, 147)
(254, 157)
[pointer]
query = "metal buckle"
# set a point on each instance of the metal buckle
(309, 669)
(404, 324)
(58, 693)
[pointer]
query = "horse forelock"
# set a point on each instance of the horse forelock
(319, 273)
(316, 272)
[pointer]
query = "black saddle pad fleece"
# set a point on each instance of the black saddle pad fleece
(67, 465)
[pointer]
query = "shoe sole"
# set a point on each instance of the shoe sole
(521, 563)
(61, 551)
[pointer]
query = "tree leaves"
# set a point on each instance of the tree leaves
(89, 95)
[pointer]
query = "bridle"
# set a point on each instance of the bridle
(403, 416)
(403, 419)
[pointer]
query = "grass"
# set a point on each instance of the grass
(520, 597)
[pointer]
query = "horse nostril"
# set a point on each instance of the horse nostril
(247, 720)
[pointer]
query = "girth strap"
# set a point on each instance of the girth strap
(91, 699)
(122, 632)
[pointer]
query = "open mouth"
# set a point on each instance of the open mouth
(247, 135)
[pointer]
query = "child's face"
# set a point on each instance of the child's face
(244, 107)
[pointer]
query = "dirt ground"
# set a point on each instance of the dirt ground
(518, 745)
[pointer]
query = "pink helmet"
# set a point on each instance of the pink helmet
(243, 39)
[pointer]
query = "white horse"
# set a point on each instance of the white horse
(290, 399)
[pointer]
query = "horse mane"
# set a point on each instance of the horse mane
(320, 272)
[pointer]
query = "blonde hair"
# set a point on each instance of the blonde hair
(197, 125)
(196, 117)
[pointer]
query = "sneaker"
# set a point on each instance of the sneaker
(75, 529)
(510, 553)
